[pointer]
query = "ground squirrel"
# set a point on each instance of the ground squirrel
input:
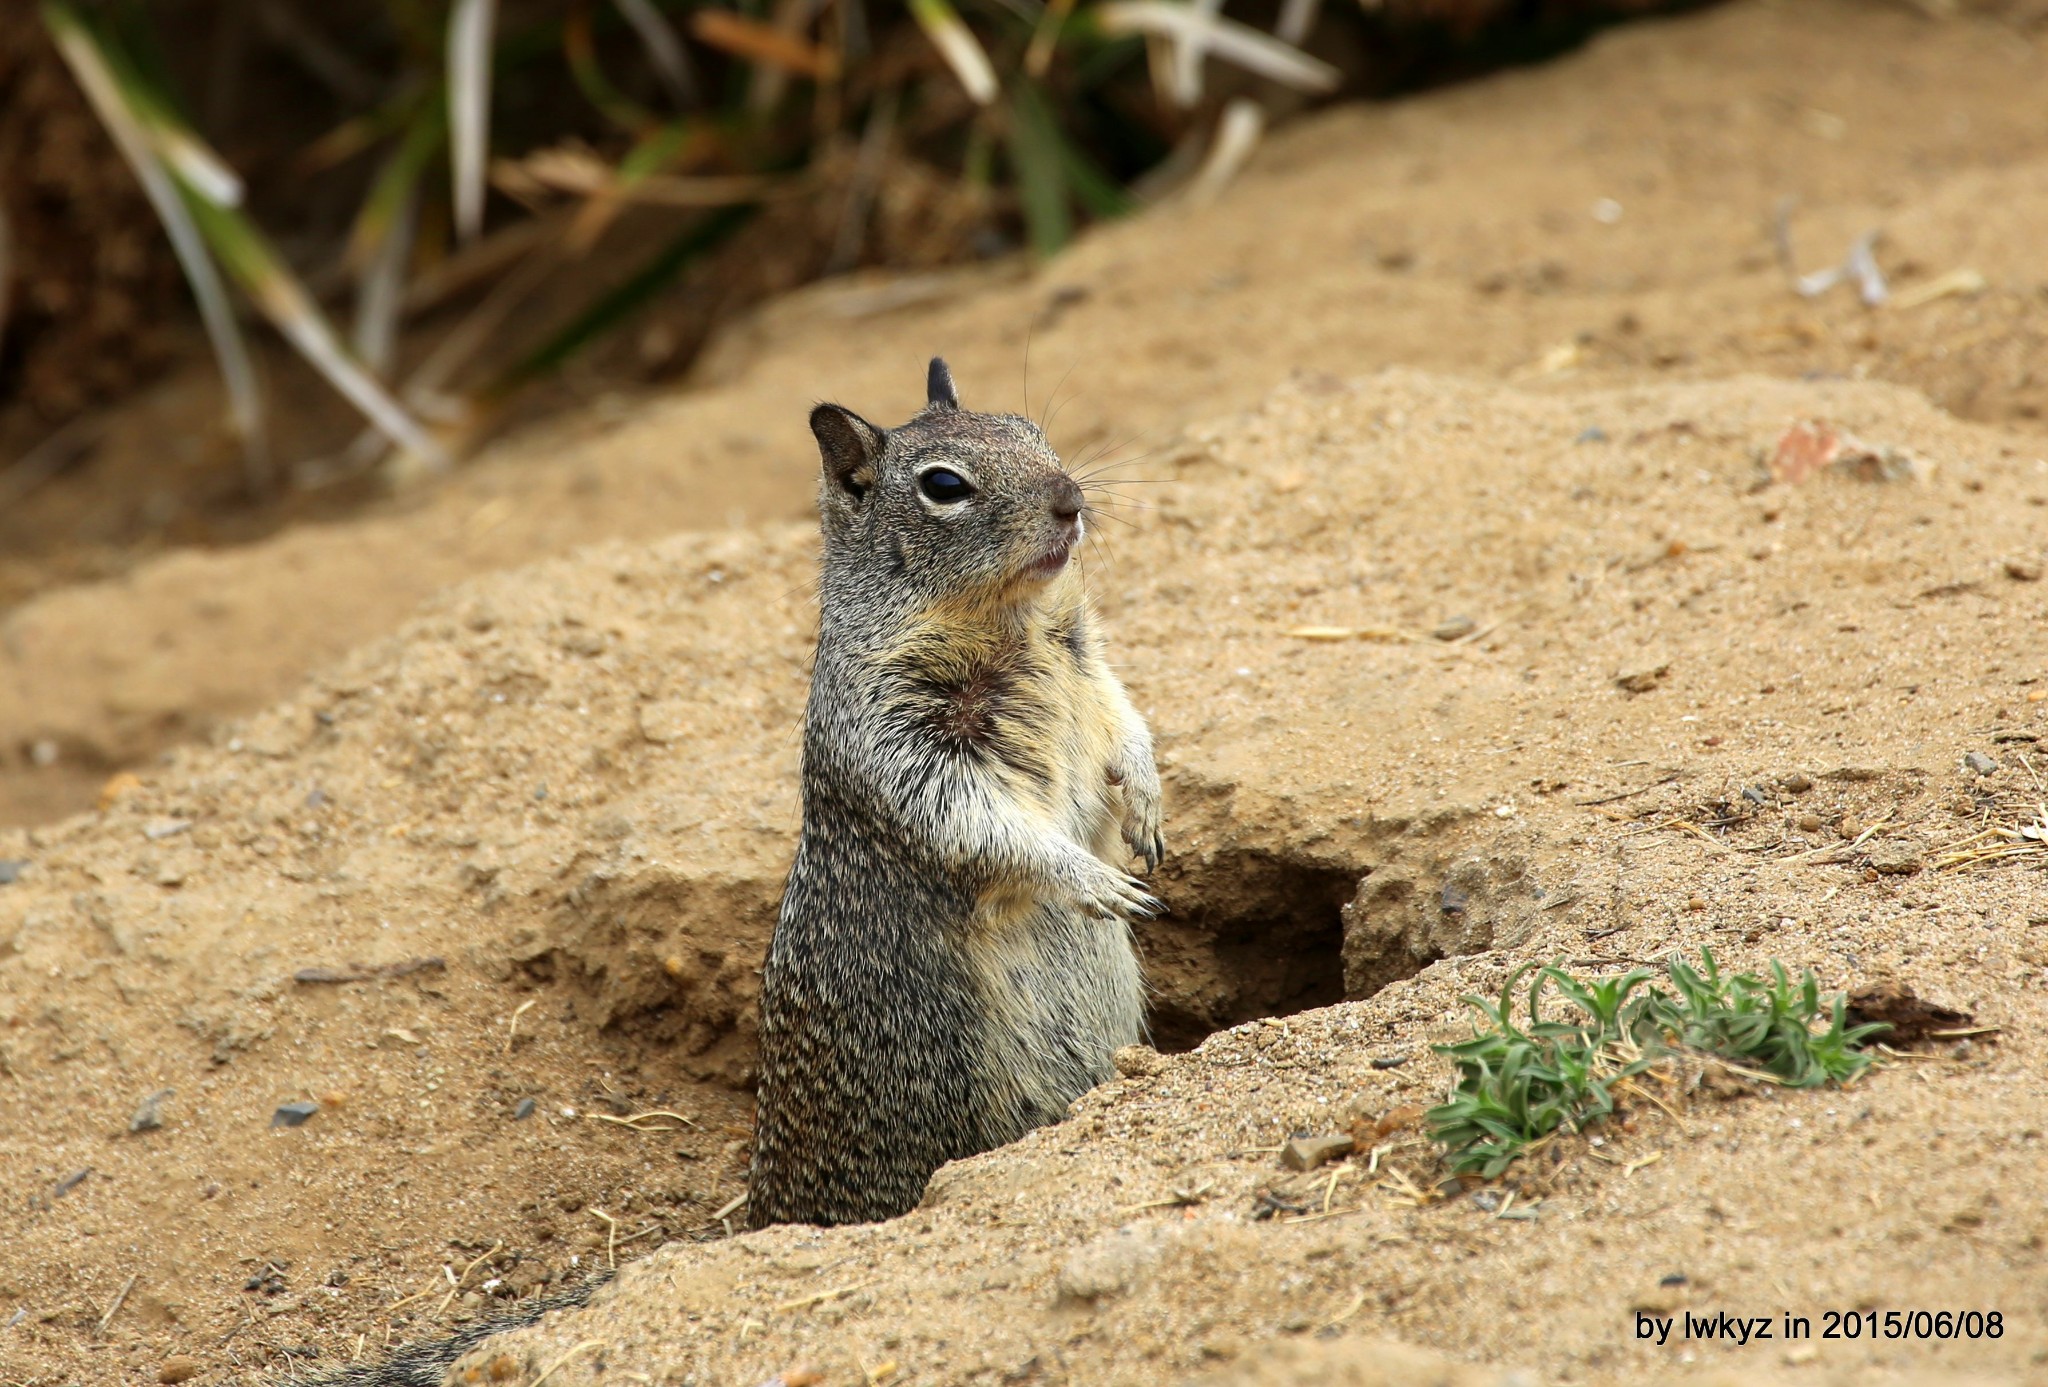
(953, 962)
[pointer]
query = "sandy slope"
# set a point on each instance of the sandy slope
(530, 840)
(1452, 232)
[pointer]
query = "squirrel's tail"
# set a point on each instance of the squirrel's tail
(426, 1364)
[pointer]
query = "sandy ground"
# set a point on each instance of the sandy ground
(425, 863)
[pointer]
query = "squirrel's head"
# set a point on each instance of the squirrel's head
(953, 504)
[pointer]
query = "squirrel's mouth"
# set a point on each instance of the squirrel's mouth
(1055, 558)
(1052, 561)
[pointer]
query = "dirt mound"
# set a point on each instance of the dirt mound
(1638, 698)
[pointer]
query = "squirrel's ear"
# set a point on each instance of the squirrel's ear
(850, 446)
(938, 385)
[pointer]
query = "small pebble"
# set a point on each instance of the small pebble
(10, 870)
(179, 1367)
(523, 1111)
(1138, 1061)
(1755, 795)
(1456, 628)
(1897, 857)
(1306, 1153)
(149, 1114)
(1980, 763)
(70, 1183)
(1389, 1061)
(1592, 433)
(1110, 1265)
(2023, 570)
(668, 720)
(293, 1114)
(1809, 823)
(1796, 781)
(1642, 678)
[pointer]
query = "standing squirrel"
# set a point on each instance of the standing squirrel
(953, 962)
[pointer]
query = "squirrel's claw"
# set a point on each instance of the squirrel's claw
(1141, 818)
(1116, 896)
(1146, 844)
(1141, 904)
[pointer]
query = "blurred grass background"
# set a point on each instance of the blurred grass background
(445, 209)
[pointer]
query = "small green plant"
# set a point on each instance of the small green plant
(1769, 1024)
(1521, 1081)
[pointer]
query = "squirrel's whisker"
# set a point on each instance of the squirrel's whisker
(1099, 541)
(1045, 425)
(1111, 466)
(1102, 450)
(1098, 497)
(1029, 329)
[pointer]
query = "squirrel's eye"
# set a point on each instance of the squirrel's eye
(944, 486)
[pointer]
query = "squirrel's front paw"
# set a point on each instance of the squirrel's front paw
(1116, 896)
(1139, 819)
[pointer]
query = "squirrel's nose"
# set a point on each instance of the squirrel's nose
(1066, 498)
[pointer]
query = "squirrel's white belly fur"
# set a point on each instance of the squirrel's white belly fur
(1058, 981)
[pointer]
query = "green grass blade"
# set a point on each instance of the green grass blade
(397, 180)
(380, 287)
(112, 101)
(1045, 38)
(1092, 188)
(579, 48)
(1035, 155)
(282, 299)
(381, 241)
(621, 303)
